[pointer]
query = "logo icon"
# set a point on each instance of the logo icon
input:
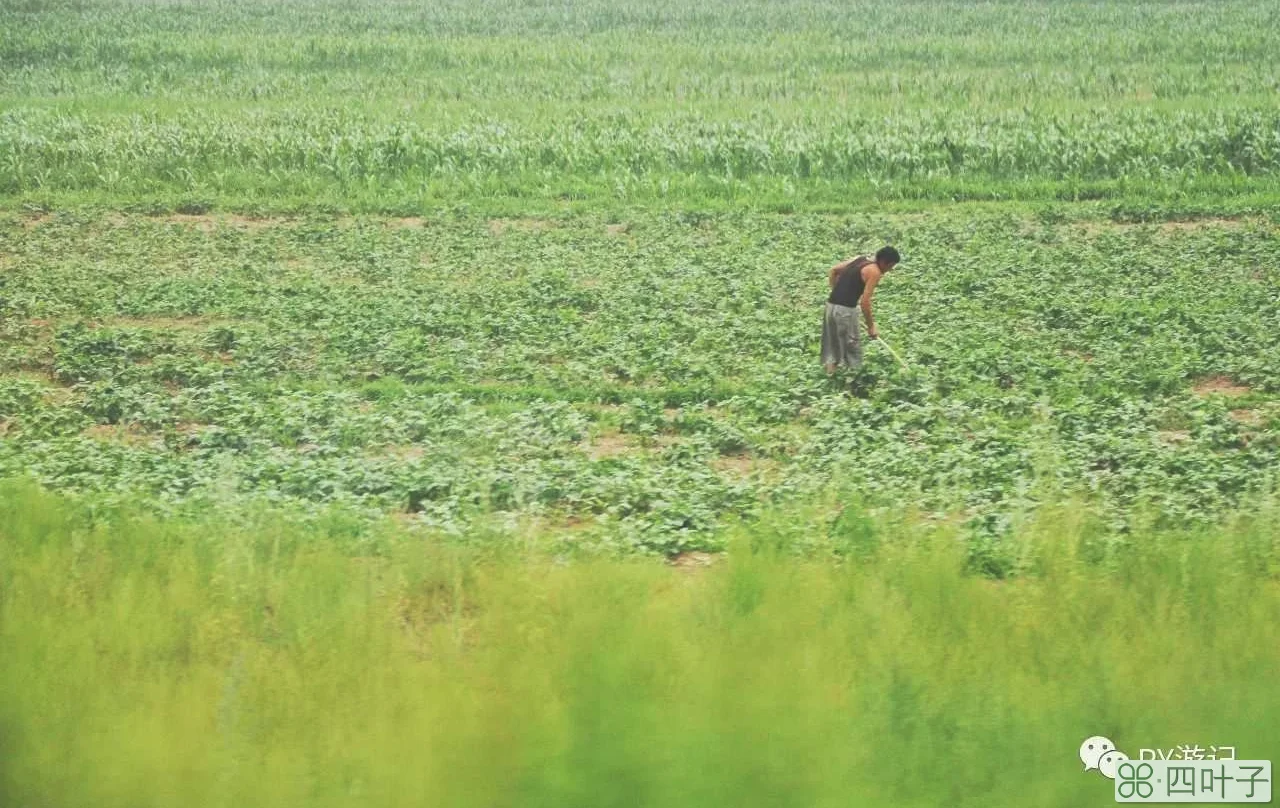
(1100, 753)
(1135, 781)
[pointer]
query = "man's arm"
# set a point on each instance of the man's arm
(871, 276)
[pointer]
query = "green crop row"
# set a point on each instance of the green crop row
(54, 152)
(646, 378)
(347, 103)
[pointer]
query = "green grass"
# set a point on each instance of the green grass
(400, 106)
(157, 663)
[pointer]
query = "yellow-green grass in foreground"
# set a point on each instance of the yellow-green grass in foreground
(158, 663)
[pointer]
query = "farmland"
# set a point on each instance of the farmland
(639, 380)
(420, 402)
(390, 107)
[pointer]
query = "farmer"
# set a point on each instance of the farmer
(853, 284)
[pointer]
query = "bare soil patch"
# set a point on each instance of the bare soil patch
(745, 465)
(741, 465)
(200, 222)
(499, 227)
(251, 223)
(195, 322)
(1221, 386)
(116, 433)
(54, 390)
(1093, 228)
(1191, 227)
(1247, 417)
(206, 222)
(410, 451)
(407, 223)
(609, 444)
(1083, 356)
(569, 524)
(694, 559)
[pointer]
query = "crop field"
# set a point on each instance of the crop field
(638, 381)
(393, 106)
(420, 402)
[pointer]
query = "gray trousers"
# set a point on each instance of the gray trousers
(841, 337)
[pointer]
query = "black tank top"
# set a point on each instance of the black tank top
(849, 287)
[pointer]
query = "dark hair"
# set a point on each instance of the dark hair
(887, 255)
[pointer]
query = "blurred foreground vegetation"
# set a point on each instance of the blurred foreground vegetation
(148, 663)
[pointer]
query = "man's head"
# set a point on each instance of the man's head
(887, 258)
